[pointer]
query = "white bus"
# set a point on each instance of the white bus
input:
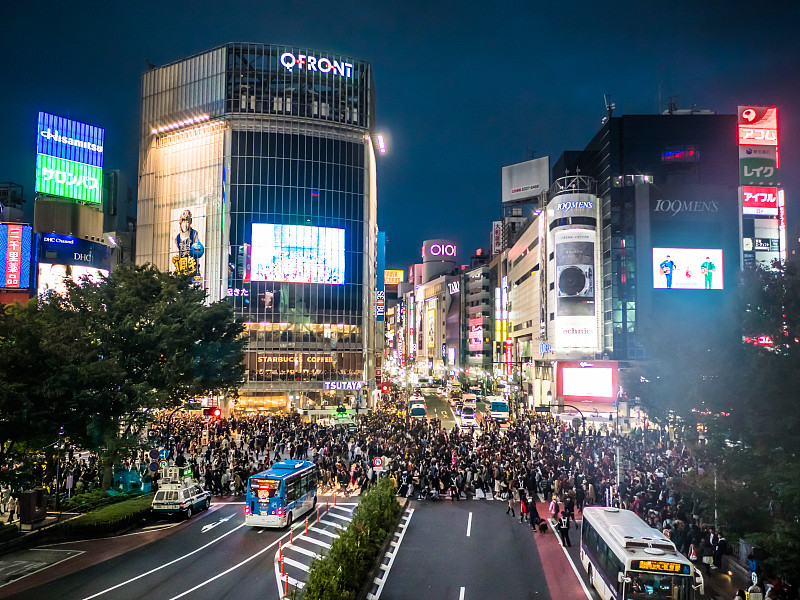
(626, 559)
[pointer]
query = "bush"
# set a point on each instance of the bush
(8, 532)
(89, 501)
(109, 519)
(341, 574)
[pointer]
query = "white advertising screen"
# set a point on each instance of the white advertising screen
(53, 277)
(597, 382)
(297, 253)
(687, 268)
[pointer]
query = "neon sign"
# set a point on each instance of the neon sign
(70, 140)
(758, 126)
(344, 385)
(454, 287)
(570, 205)
(442, 250)
(59, 177)
(312, 63)
(759, 200)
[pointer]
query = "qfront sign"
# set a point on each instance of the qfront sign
(305, 62)
(69, 159)
(351, 386)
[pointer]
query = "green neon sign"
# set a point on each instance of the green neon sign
(68, 179)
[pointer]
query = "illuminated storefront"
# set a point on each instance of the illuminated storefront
(258, 179)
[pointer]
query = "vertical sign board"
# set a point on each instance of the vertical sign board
(380, 293)
(509, 357)
(15, 255)
(69, 159)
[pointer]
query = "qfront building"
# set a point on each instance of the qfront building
(257, 179)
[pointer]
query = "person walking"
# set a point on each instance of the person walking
(513, 498)
(563, 528)
(12, 509)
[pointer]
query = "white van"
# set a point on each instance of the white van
(498, 408)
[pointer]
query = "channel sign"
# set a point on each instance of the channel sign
(69, 159)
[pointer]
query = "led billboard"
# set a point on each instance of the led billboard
(687, 268)
(587, 381)
(69, 159)
(576, 323)
(59, 177)
(15, 255)
(187, 233)
(71, 140)
(297, 253)
(53, 278)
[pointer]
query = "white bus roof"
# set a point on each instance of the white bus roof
(630, 533)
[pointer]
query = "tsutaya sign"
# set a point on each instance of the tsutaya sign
(344, 385)
(312, 63)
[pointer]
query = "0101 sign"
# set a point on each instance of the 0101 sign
(442, 250)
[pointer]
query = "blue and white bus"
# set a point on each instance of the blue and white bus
(281, 494)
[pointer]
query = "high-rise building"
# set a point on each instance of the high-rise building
(257, 178)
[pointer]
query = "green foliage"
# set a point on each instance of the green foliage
(341, 574)
(89, 501)
(98, 360)
(8, 532)
(109, 519)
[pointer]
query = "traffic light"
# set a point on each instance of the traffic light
(385, 388)
(341, 412)
(213, 412)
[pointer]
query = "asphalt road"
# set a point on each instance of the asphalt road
(439, 407)
(214, 555)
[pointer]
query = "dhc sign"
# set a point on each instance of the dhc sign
(312, 63)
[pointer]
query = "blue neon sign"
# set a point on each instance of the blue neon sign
(71, 140)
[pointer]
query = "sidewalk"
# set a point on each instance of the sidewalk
(562, 581)
(722, 584)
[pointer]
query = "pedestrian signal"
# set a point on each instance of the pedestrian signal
(213, 412)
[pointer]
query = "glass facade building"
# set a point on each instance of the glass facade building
(257, 178)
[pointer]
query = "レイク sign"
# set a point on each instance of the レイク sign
(343, 385)
(312, 63)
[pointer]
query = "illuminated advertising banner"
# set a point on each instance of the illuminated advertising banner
(497, 237)
(53, 277)
(69, 250)
(476, 334)
(435, 250)
(59, 177)
(758, 165)
(187, 231)
(71, 140)
(393, 276)
(526, 180)
(594, 382)
(759, 201)
(758, 126)
(687, 268)
(15, 255)
(297, 253)
(576, 324)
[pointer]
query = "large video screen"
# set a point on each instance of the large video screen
(53, 277)
(297, 253)
(596, 382)
(687, 268)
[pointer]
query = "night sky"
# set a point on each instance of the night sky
(463, 88)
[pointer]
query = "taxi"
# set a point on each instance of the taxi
(178, 493)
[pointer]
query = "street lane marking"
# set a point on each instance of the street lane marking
(469, 527)
(172, 562)
(316, 541)
(211, 526)
(76, 553)
(233, 568)
(569, 558)
(461, 594)
(381, 582)
(294, 563)
(301, 550)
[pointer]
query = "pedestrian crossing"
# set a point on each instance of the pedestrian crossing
(310, 539)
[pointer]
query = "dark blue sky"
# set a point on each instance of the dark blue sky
(463, 88)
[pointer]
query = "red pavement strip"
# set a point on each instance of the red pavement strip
(561, 579)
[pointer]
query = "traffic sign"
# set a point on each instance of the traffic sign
(377, 462)
(153, 454)
(543, 408)
(163, 454)
(576, 422)
(163, 464)
(153, 466)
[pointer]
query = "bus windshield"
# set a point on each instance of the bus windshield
(499, 406)
(658, 586)
(264, 488)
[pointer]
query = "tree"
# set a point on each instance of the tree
(100, 359)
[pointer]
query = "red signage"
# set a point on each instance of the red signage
(758, 126)
(593, 382)
(13, 256)
(759, 200)
(508, 356)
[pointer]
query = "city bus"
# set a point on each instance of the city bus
(281, 494)
(626, 559)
